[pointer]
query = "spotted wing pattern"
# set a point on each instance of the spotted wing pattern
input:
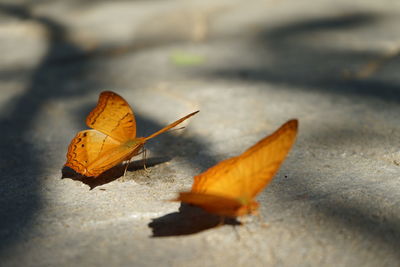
(86, 147)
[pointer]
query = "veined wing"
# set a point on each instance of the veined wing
(246, 175)
(113, 116)
(86, 147)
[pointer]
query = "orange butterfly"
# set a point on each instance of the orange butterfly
(113, 139)
(228, 188)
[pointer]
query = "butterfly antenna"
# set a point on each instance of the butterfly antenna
(172, 125)
(180, 128)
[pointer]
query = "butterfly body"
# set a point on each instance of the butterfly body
(134, 143)
(229, 188)
(112, 139)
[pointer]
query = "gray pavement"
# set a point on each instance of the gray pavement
(248, 66)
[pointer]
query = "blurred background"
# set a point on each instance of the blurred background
(248, 66)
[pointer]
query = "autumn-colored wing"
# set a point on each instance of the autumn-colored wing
(113, 116)
(246, 175)
(172, 125)
(86, 147)
(92, 152)
(211, 203)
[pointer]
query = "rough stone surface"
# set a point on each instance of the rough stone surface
(331, 64)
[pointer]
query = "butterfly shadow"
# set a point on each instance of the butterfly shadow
(188, 220)
(112, 174)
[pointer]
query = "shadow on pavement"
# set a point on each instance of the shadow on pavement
(301, 60)
(63, 66)
(300, 63)
(112, 174)
(23, 175)
(187, 221)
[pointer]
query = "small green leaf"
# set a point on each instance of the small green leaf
(186, 59)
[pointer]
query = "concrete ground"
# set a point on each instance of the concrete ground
(248, 66)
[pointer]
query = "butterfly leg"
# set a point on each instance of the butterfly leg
(236, 232)
(143, 152)
(126, 167)
(261, 220)
(221, 221)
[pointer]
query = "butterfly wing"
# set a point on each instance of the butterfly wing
(246, 175)
(211, 203)
(113, 116)
(92, 152)
(86, 147)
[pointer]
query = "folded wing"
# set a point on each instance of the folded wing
(86, 147)
(113, 116)
(212, 203)
(246, 175)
